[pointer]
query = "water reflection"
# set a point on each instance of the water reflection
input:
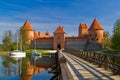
(25, 68)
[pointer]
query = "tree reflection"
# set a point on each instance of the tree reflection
(7, 64)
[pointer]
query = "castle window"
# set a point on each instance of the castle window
(95, 34)
(97, 39)
(92, 39)
(90, 35)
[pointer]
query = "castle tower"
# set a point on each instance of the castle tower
(47, 34)
(82, 31)
(59, 38)
(28, 31)
(95, 32)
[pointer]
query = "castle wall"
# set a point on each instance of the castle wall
(94, 45)
(43, 43)
(75, 43)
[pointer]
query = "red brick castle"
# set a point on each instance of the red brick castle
(88, 38)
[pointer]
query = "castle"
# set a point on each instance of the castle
(88, 38)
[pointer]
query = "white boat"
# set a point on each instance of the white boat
(17, 53)
(36, 54)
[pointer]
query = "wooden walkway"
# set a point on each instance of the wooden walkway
(82, 70)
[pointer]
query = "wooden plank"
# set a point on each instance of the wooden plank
(87, 70)
(66, 75)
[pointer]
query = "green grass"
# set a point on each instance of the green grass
(44, 52)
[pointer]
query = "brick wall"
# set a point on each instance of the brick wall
(75, 43)
(43, 43)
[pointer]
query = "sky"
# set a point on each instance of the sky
(47, 15)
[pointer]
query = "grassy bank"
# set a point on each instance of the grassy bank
(29, 52)
(4, 53)
(44, 52)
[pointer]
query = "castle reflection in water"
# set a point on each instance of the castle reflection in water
(25, 68)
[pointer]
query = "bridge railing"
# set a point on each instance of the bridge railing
(65, 73)
(107, 61)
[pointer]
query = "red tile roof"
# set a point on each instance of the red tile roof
(83, 26)
(40, 35)
(27, 26)
(36, 34)
(95, 25)
(59, 30)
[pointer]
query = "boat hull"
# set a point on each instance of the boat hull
(17, 54)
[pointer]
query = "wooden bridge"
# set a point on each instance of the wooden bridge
(76, 65)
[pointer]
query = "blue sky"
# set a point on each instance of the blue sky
(46, 15)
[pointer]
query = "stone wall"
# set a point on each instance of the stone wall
(93, 46)
(75, 43)
(43, 43)
(71, 43)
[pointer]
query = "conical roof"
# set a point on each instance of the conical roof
(59, 30)
(47, 33)
(95, 25)
(27, 26)
(82, 26)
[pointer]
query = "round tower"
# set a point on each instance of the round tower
(95, 32)
(27, 31)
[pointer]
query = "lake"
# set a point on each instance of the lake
(25, 68)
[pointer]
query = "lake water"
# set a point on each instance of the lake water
(25, 68)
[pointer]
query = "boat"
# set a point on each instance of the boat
(36, 54)
(17, 53)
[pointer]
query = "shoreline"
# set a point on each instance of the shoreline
(4, 53)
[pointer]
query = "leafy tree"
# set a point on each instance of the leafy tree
(7, 40)
(107, 39)
(116, 36)
(16, 41)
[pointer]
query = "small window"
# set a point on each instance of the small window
(92, 39)
(95, 34)
(90, 35)
(97, 39)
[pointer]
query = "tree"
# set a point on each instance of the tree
(6, 63)
(7, 40)
(116, 36)
(107, 39)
